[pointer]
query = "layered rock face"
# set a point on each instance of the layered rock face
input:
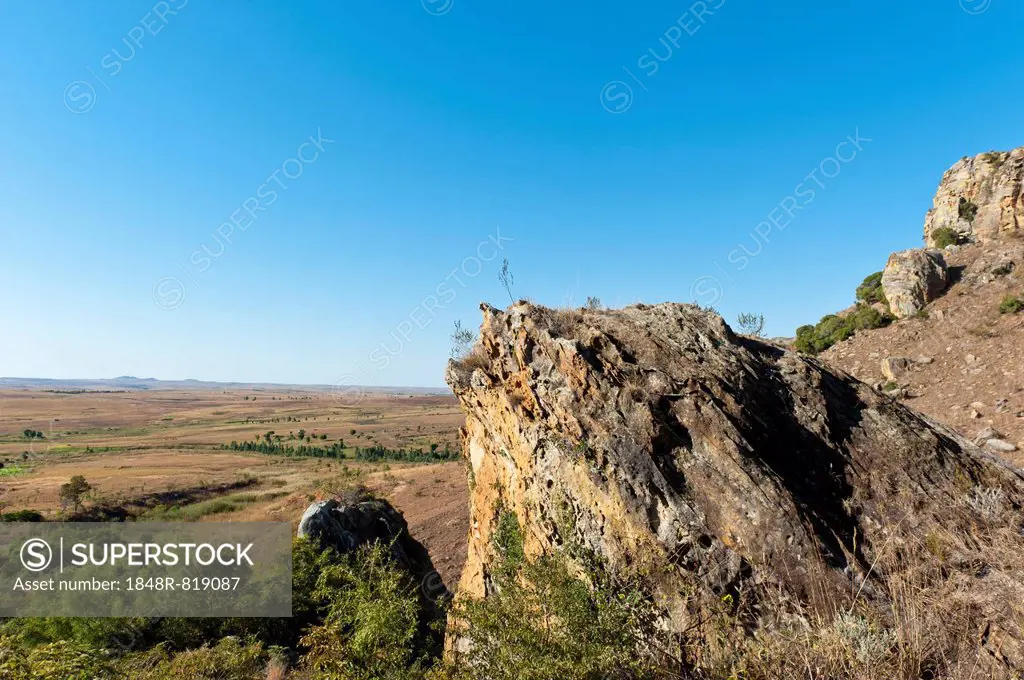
(980, 197)
(711, 467)
(912, 279)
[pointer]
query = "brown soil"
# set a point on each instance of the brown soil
(975, 377)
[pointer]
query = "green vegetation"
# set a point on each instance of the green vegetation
(967, 209)
(543, 621)
(33, 434)
(22, 516)
(1011, 304)
(832, 329)
(74, 492)
(944, 236)
(338, 450)
(508, 540)
(355, 617)
(214, 506)
(12, 470)
(372, 622)
(870, 290)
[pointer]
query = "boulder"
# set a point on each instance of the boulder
(980, 198)
(346, 527)
(895, 368)
(654, 444)
(912, 279)
(1001, 446)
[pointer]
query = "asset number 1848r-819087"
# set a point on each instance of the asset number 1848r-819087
(194, 583)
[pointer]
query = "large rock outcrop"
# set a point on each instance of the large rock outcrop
(912, 279)
(715, 468)
(980, 197)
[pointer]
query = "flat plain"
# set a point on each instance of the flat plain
(162, 450)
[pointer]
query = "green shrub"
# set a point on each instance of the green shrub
(967, 210)
(22, 516)
(507, 539)
(832, 329)
(544, 623)
(372, 628)
(870, 290)
(944, 236)
(229, 659)
(52, 661)
(1011, 304)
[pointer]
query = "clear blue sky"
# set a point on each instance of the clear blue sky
(130, 134)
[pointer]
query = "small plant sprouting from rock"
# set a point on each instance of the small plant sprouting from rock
(751, 324)
(507, 279)
(967, 209)
(462, 341)
(993, 158)
(1011, 304)
(944, 237)
(508, 539)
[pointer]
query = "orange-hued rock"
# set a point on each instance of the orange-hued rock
(980, 197)
(715, 468)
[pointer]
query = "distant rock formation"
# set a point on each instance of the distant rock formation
(912, 279)
(716, 468)
(980, 198)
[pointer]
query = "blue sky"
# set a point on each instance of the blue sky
(134, 131)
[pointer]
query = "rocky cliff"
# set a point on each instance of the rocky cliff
(980, 197)
(714, 468)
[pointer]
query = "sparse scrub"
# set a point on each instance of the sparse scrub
(870, 290)
(944, 237)
(506, 279)
(1011, 304)
(461, 342)
(967, 209)
(543, 621)
(995, 158)
(832, 329)
(751, 324)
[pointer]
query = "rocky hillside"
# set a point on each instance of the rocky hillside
(959, 359)
(742, 486)
(955, 349)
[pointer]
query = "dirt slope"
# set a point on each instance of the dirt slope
(967, 366)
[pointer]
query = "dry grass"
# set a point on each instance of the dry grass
(934, 616)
